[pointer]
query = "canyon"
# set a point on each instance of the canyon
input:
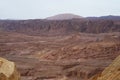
(72, 49)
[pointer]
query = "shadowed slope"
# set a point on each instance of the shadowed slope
(112, 72)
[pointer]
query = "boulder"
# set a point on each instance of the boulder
(8, 70)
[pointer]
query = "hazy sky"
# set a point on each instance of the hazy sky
(31, 9)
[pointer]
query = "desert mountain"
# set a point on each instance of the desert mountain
(64, 17)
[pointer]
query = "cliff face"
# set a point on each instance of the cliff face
(59, 27)
(8, 70)
(112, 72)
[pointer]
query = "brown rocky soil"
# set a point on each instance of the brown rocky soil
(77, 56)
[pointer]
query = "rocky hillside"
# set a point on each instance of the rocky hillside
(8, 70)
(112, 72)
(94, 50)
(59, 27)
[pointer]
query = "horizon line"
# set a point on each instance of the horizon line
(57, 14)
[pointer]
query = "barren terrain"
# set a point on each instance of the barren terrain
(60, 50)
(55, 57)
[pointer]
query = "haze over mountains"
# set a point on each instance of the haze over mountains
(68, 16)
(62, 24)
(109, 17)
(64, 17)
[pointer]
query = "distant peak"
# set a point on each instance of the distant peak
(65, 16)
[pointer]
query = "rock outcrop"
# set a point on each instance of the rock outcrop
(8, 70)
(112, 72)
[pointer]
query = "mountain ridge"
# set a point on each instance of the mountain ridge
(104, 24)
